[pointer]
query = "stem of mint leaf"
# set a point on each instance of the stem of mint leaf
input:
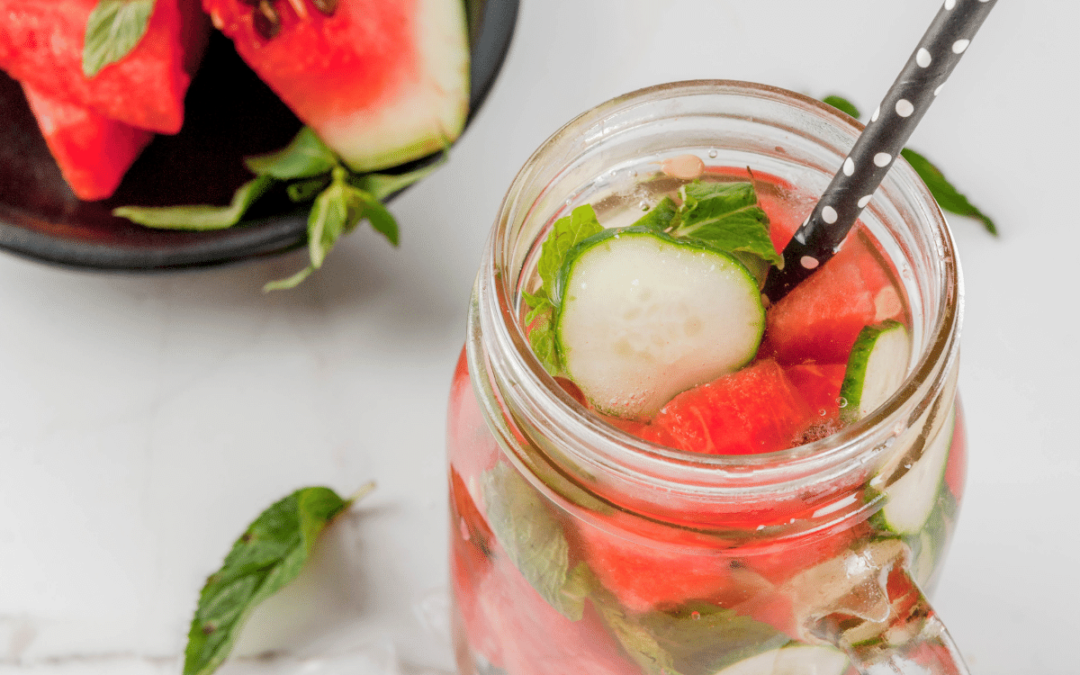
(943, 191)
(269, 555)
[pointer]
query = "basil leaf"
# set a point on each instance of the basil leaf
(727, 217)
(533, 539)
(113, 29)
(659, 217)
(269, 555)
(842, 104)
(305, 156)
(199, 217)
(947, 196)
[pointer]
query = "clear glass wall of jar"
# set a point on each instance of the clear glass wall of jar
(579, 548)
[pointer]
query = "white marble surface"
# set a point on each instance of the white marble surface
(144, 420)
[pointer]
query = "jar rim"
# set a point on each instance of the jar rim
(720, 474)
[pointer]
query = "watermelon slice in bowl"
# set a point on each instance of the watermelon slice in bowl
(41, 219)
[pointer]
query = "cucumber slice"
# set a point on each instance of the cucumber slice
(793, 659)
(876, 368)
(911, 498)
(644, 316)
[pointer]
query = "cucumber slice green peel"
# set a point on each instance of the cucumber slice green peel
(644, 316)
(690, 262)
(876, 368)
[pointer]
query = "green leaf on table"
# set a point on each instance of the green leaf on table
(113, 29)
(306, 156)
(947, 196)
(533, 540)
(842, 104)
(198, 217)
(726, 216)
(269, 555)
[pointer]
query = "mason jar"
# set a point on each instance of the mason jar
(578, 547)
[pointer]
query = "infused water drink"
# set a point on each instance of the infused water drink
(654, 471)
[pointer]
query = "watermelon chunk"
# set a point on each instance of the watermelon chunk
(754, 410)
(820, 319)
(93, 151)
(819, 385)
(41, 44)
(382, 82)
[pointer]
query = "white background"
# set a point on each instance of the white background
(144, 420)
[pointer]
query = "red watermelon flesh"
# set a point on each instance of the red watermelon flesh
(754, 410)
(820, 319)
(819, 385)
(93, 151)
(41, 44)
(381, 82)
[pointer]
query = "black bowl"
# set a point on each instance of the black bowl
(229, 114)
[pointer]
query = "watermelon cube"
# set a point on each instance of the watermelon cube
(92, 151)
(41, 45)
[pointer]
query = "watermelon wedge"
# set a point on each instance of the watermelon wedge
(382, 82)
(41, 45)
(820, 319)
(93, 151)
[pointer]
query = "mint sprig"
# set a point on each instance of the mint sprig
(948, 197)
(534, 541)
(269, 555)
(113, 29)
(565, 233)
(725, 216)
(310, 172)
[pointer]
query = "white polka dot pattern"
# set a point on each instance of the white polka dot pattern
(876, 149)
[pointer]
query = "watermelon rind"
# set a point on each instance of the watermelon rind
(429, 115)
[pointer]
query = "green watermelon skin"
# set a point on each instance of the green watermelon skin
(92, 151)
(382, 82)
(41, 45)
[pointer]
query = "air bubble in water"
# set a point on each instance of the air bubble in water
(643, 205)
(823, 412)
(712, 153)
(695, 615)
(841, 401)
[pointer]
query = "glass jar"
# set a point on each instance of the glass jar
(580, 548)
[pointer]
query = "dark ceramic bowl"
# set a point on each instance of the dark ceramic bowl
(230, 113)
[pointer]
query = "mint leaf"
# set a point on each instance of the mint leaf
(382, 185)
(199, 217)
(533, 539)
(338, 210)
(113, 29)
(842, 104)
(306, 156)
(659, 217)
(697, 637)
(542, 340)
(304, 191)
(566, 233)
(726, 216)
(947, 196)
(269, 555)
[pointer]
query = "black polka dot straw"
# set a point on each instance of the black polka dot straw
(886, 134)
